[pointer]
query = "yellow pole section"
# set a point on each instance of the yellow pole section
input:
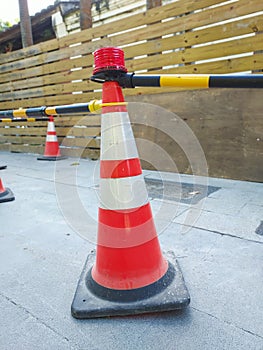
(19, 113)
(109, 104)
(50, 111)
(185, 80)
(94, 105)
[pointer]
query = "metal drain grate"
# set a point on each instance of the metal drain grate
(177, 191)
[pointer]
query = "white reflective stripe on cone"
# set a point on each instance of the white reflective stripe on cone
(123, 193)
(118, 140)
(50, 126)
(51, 138)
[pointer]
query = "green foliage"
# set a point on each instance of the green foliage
(4, 25)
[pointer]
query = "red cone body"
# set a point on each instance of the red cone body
(128, 274)
(52, 151)
(128, 250)
(2, 189)
(6, 195)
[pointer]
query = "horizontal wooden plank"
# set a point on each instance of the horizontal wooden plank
(81, 142)
(33, 76)
(23, 131)
(228, 48)
(79, 131)
(65, 88)
(225, 12)
(93, 154)
(27, 124)
(33, 80)
(202, 36)
(49, 79)
(60, 120)
(29, 51)
(221, 31)
(82, 120)
(51, 100)
(231, 65)
(44, 58)
(36, 140)
(233, 47)
(5, 147)
(27, 149)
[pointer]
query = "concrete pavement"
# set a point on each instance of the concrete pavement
(214, 226)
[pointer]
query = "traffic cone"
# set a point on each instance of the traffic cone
(6, 195)
(52, 151)
(128, 274)
(3, 167)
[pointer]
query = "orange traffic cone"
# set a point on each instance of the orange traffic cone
(52, 151)
(6, 195)
(129, 273)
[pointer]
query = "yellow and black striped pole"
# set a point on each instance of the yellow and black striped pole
(198, 81)
(44, 111)
(32, 120)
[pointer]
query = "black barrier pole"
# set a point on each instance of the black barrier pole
(44, 111)
(17, 120)
(199, 81)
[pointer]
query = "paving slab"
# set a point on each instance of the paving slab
(42, 253)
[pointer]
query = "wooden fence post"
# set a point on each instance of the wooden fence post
(85, 14)
(25, 24)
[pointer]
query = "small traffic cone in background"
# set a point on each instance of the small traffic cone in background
(3, 167)
(6, 195)
(52, 151)
(128, 274)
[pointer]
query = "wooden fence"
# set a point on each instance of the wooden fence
(185, 36)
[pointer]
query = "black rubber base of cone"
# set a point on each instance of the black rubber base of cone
(51, 158)
(3, 167)
(7, 196)
(167, 294)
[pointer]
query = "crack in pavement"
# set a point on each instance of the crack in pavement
(222, 233)
(37, 319)
(227, 322)
(57, 182)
